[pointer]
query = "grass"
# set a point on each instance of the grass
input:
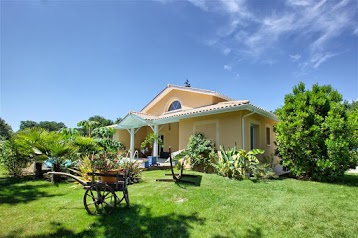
(217, 208)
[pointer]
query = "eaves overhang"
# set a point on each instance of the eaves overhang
(132, 121)
(188, 114)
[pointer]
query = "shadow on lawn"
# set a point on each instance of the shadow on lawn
(136, 221)
(20, 190)
(348, 180)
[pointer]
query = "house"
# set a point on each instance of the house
(178, 112)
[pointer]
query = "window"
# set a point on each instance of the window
(254, 130)
(268, 136)
(176, 105)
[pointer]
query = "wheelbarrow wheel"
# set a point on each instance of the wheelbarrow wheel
(100, 199)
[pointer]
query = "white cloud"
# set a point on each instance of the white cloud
(295, 57)
(226, 51)
(319, 58)
(227, 67)
(235, 6)
(355, 31)
(258, 35)
(200, 4)
(299, 2)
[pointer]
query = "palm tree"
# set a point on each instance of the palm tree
(31, 140)
(87, 125)
(46, 145)
(58, 150)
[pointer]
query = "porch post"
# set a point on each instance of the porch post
(155, 146)
(132, 143)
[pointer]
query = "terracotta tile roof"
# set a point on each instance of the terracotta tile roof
(211, 109)
(145, 116)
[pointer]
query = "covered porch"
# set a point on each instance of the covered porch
(134, 128)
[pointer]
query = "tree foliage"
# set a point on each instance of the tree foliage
(5, 130)
(48, 125)
(15, 154)
(51, 125)
(27, 124)
(314, 133)
(102, 122)
(103, 132)
(88, 126)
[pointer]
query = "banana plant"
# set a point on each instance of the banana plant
(235, 163)
(248, 161)
(103, 132)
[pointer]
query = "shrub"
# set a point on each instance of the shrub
(200, 152)
(133, 167)
(314, 135)
(84, 166)
(12, 158)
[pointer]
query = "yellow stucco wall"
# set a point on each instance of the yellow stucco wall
(262, 123)
(171, 136)
(227, 127)
(228, 130)
(187, 99)
(122, 136)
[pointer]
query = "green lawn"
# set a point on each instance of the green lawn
(218, 208)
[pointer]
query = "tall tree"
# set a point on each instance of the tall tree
(314, 134)
(101, 121)
(48, 125)
(353, 122)
(51, 125)
(5, 130)
(27, 124)
(118, 120)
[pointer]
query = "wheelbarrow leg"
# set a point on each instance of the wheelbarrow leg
(126, 197)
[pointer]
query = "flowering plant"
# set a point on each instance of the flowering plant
(105, 161)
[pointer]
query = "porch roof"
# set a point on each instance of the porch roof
(139, 119)
(135, 120)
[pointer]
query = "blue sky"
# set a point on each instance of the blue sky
(66, 61)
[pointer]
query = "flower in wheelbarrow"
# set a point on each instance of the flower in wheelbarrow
(105, 161)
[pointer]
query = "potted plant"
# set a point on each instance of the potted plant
(148, 144)
(106, 163)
